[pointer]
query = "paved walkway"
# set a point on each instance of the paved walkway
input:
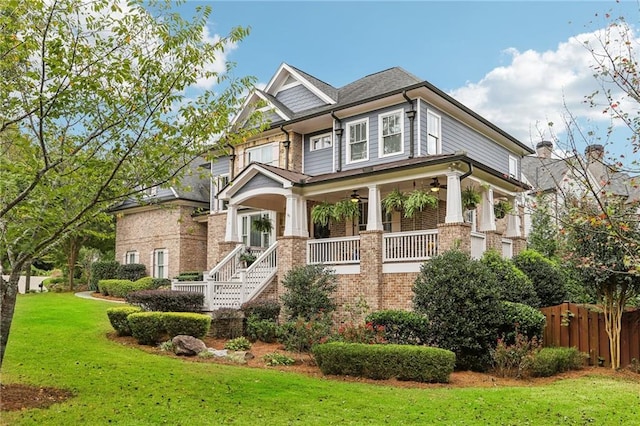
(89, 295)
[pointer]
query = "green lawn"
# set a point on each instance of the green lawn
(59, 340)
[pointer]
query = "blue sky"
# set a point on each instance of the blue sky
(516, 63)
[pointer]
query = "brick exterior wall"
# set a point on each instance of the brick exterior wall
(494, 240)
(519, 244)
(292, 252)
(170, 228)
(397, 291)
(295, 152)
(454, 235)
(217, 248)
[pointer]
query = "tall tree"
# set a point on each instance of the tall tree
(95, 109)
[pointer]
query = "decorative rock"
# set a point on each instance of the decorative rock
(187, 345)
(222, 353)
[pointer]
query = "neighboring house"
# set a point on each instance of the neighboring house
(555, 179)
(164, 231)
(389, 130)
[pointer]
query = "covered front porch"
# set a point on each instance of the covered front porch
(374, 244)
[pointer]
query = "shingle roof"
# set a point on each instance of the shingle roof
(544, 174)
(328, 89)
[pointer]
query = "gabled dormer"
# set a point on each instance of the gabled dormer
(300, 91)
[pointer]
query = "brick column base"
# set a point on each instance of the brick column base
(454, 236)
(494, 240)
(519, 244)
(371, 281)
(292, 252)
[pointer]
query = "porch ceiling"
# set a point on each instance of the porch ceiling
(273, 202)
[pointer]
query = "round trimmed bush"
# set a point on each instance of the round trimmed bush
(459, 297)
(513, 284)
(118, 318)
(187, 323)
(147, 327)
(523, 319)
(547, 277)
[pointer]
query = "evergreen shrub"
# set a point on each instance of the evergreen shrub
(118, 318)
(167, 300)
(400, 327)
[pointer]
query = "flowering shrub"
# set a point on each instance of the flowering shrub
(361, 333)
(300, 335)
(515, 360)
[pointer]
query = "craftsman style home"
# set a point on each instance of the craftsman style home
(388, 134)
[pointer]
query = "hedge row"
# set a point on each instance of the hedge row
(121, 288)
(167, 300)
(551, 361)
(149, 327)
(381, 362)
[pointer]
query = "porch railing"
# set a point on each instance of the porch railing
(410, 246)
(478, 244)
(334, 251)
(228, 267)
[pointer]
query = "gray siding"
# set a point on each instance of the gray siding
(299, 98)
(259, 181)
(319, 161)
(458, 137)
(220, 166)
(374, 157)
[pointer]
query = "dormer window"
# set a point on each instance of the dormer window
(391, 130)
(321, 142)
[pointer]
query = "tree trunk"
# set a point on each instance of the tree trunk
(72, 258)
(27, 277)
(613, 323)
(8, 295)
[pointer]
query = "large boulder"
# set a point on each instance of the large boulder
(187, 345)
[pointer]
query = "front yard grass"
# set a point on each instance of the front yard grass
(60, 340)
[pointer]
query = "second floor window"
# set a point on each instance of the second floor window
(513, 167)
(320, 142)
(434, 134)
(263, 154)
(391, 133)
(358, 146)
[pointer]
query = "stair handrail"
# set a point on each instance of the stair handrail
(230, 261)
(262, 270)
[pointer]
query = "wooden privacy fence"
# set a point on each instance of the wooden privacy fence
(571, 325)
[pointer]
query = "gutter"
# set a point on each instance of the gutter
(412, 116)
(286, 144)
(232, 159)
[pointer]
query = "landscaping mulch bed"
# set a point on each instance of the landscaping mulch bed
(23, 397)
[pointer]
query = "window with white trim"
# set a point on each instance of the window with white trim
(357, 141)
(320, 142)
(434, 133)
(131, 257)
(249, 236)
(221, 181)
(391, 133)
(513, 167)
(263, 154)
(160, 263)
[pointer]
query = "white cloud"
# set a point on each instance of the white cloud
(219, 65)
(534, 87)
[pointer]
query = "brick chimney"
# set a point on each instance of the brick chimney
(544, 149)
(595, 163)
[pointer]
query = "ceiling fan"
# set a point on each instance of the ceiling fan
(355, 197)
(436, 186)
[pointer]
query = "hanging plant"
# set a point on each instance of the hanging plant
(502, 208)
(345, 209)
(470, 198)
(322, 213)
(263, 224)
(394, 201)
(417, 200)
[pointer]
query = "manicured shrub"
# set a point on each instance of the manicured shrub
(238, 344)
(261, 309)
(459, 297)
(546, 276)
(147, 327)
(118, 319)
(264, 330)
(400, 327)
(551, 361)
(310, 291)
(381, 362)
(106, 286)
(513, 284)
(190, 276)
(161, 283)
(167, 300)
(55, 284)
(132, 271)
(520, 318)
(187, 323)
(103, 271)
(300, 335)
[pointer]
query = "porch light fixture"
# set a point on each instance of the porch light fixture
(435, 185)
(411, 114)
(355, 198)
(339, 132)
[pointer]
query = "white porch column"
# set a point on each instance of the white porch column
(488, 215)
(513, 221)
(291, 226)
(454, 200)
(231, 233)
(301, 213)
(374, 216)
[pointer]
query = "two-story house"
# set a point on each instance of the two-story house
(388, 131)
